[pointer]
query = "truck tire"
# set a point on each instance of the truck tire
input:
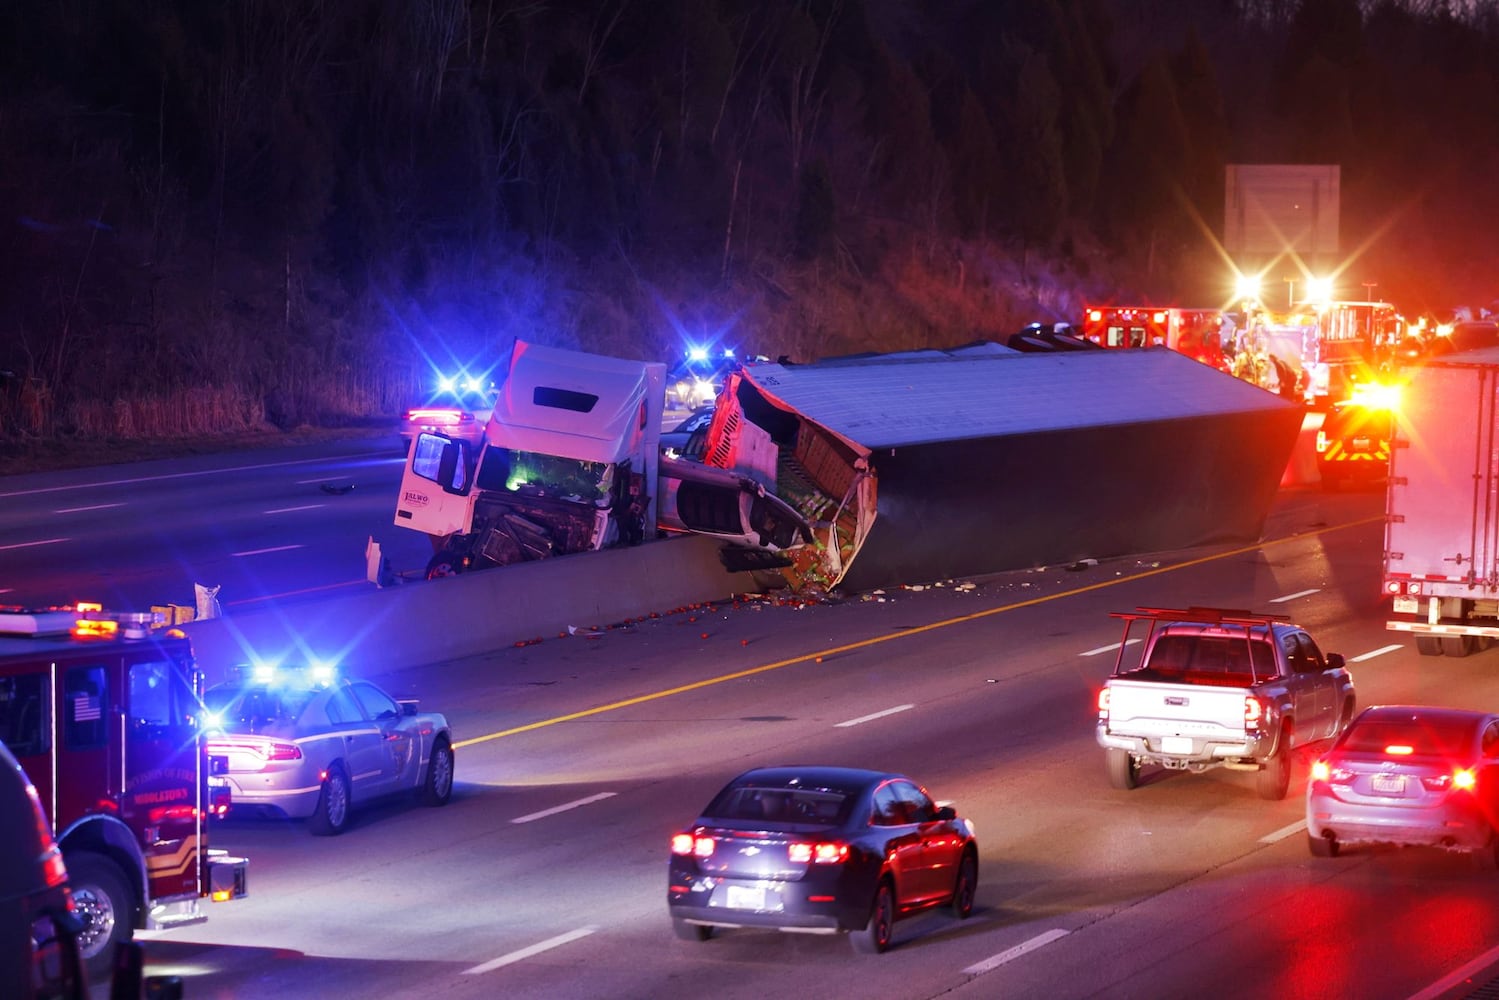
(1459, 645)
(1429, 645)
(444, 563)
(1274, 778)
(106, 905)
(1124, 770)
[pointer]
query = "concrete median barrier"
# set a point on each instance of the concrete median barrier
(377, 630)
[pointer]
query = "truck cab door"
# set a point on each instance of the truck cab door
(1318, 687)
(437, 494)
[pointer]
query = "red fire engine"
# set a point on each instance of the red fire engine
(1193, 332)
(104, 714)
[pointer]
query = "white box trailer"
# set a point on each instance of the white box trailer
(1441, 552)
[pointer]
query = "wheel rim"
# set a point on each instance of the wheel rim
(338, 800)
(965, 886)
(98, 916)
(442, 771)
(881, 918)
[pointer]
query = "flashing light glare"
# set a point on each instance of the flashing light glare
(473, 385)
(1319, 289)
(1160, 317)
(1320, 770)
(1464, 778)
(93, 627)
(221, 895)
(1444, 329)
(1094, 315)
(1399, 750)
(728, 352)
(323, 673)
(1247, 286)
(1376, 395)
(263, 673)
(89, 607)
(447, 383)
(697, 354)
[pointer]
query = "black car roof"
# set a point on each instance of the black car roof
(1393, 713)
(815, 776)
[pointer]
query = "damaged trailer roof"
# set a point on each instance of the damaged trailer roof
(916, 469)
(890, 401)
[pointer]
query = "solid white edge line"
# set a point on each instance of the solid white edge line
(261, 552)
(1447, 982)
(1371, 654)
(601, 796)
(1283, 832)
(525, 953)
(1292, 597)
(871, 718)
(80, 510)
(1107, 649)
(1039, 941)
(289, 510)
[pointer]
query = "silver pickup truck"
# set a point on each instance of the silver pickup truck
(1212, 687)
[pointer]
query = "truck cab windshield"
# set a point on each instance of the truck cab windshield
(532, 474)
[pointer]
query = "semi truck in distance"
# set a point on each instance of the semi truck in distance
(571, 462)
(1441, 549)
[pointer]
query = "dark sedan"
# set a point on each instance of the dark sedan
(820, 850)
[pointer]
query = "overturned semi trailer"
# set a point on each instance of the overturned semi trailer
(923, 468)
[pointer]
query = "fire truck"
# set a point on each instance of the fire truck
(104, 712)
(1193, 332)
(1324, 351)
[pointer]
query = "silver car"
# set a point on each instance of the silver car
(308, 742)
(1410, 776)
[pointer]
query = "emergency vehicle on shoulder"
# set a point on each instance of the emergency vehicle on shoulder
(104, 713)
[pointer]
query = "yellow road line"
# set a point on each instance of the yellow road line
(904, 634)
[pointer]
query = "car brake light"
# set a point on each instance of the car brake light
(687, 843)
(1320, 770)
(281, 751)
(1253, 712)
(1103, 704)
(830, 853)
(1399, 750)
(1462, 779)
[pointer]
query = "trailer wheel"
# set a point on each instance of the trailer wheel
(1124, 770)
(1429, 645)
(105, 905)
(1459, 645)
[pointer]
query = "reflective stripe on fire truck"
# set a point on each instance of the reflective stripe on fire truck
(178, 862)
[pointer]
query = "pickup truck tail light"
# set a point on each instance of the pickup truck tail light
(1254, 712)
(1103, 704)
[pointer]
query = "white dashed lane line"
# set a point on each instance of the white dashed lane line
(601, 796)
(288, 510)
(525, 953)
(1025, 947)
(27, 545)
(1292, 597)
(80, 510)
(875, 715)
(1371, 654)
(1107, 649)
(261, 552)
(1284, 832)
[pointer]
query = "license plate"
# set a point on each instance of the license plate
(1388, 784)
(743, 897)
(1407, 605)
(1176, 744)
(1362, 444)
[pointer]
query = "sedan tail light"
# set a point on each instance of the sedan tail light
(692, 844)
(1462, 779)
(826, 853)
(1323, 771)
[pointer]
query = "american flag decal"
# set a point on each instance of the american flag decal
(85, 708)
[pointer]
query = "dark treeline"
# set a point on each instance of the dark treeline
(224, 212)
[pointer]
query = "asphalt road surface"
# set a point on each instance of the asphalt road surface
(579, 757)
